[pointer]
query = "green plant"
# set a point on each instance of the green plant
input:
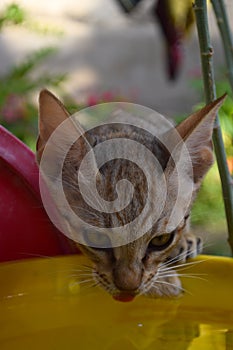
(17, 112)
(13, 14)
(208, 210)
(226, 111)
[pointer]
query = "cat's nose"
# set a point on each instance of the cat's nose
(127, 278)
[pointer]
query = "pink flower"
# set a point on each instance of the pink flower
(13, 109)
(92, 100)
(108, 96)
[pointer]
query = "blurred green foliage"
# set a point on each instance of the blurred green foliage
(13, 14)
(226, 111)
(208, 210)
(18, 113)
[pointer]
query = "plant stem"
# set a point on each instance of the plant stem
(225, 31)
(206, 53)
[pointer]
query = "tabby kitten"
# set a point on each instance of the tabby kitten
(145, 265)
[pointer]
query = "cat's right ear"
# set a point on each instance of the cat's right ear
(196, 131)
(51, 114)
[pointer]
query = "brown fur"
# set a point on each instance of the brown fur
(135, 268)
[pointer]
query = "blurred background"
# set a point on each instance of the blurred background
(94, 51)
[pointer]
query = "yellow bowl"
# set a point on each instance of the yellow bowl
(43, 305)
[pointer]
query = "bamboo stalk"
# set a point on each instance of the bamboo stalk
(224, 28)
(206, 52)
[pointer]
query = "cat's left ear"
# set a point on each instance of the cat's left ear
(196, 131)
(51, 114)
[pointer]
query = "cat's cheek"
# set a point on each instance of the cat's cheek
(166, 287)
(173, 288)
(153, 263)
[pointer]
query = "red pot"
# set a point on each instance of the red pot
(25, 229)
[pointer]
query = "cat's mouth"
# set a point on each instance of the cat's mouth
(124, 296)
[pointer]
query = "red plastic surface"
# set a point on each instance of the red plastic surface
(25, 229)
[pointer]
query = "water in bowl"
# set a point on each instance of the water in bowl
(43, 306)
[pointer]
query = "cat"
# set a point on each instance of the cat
(146, 265)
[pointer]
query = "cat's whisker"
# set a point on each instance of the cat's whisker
(194, 276)
(188, 265)
(151, 285)
(80, 275)
(69, 270)
(84, 269)
(82, 281)
(179, 257)
(147, 289)
(172, 262)
(182, 274)
(86, 283)
(87, 266)
(175, 259)
(96, 284)
(180, 266)
(65, 272)
(174, 285)
(81, 272)
(88, 286)
(207, 242)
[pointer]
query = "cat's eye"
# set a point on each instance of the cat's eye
(161, 242)
(97, 240)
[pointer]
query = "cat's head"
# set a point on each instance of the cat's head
(135, 267)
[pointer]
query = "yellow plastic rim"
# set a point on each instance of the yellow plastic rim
(42, 305)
